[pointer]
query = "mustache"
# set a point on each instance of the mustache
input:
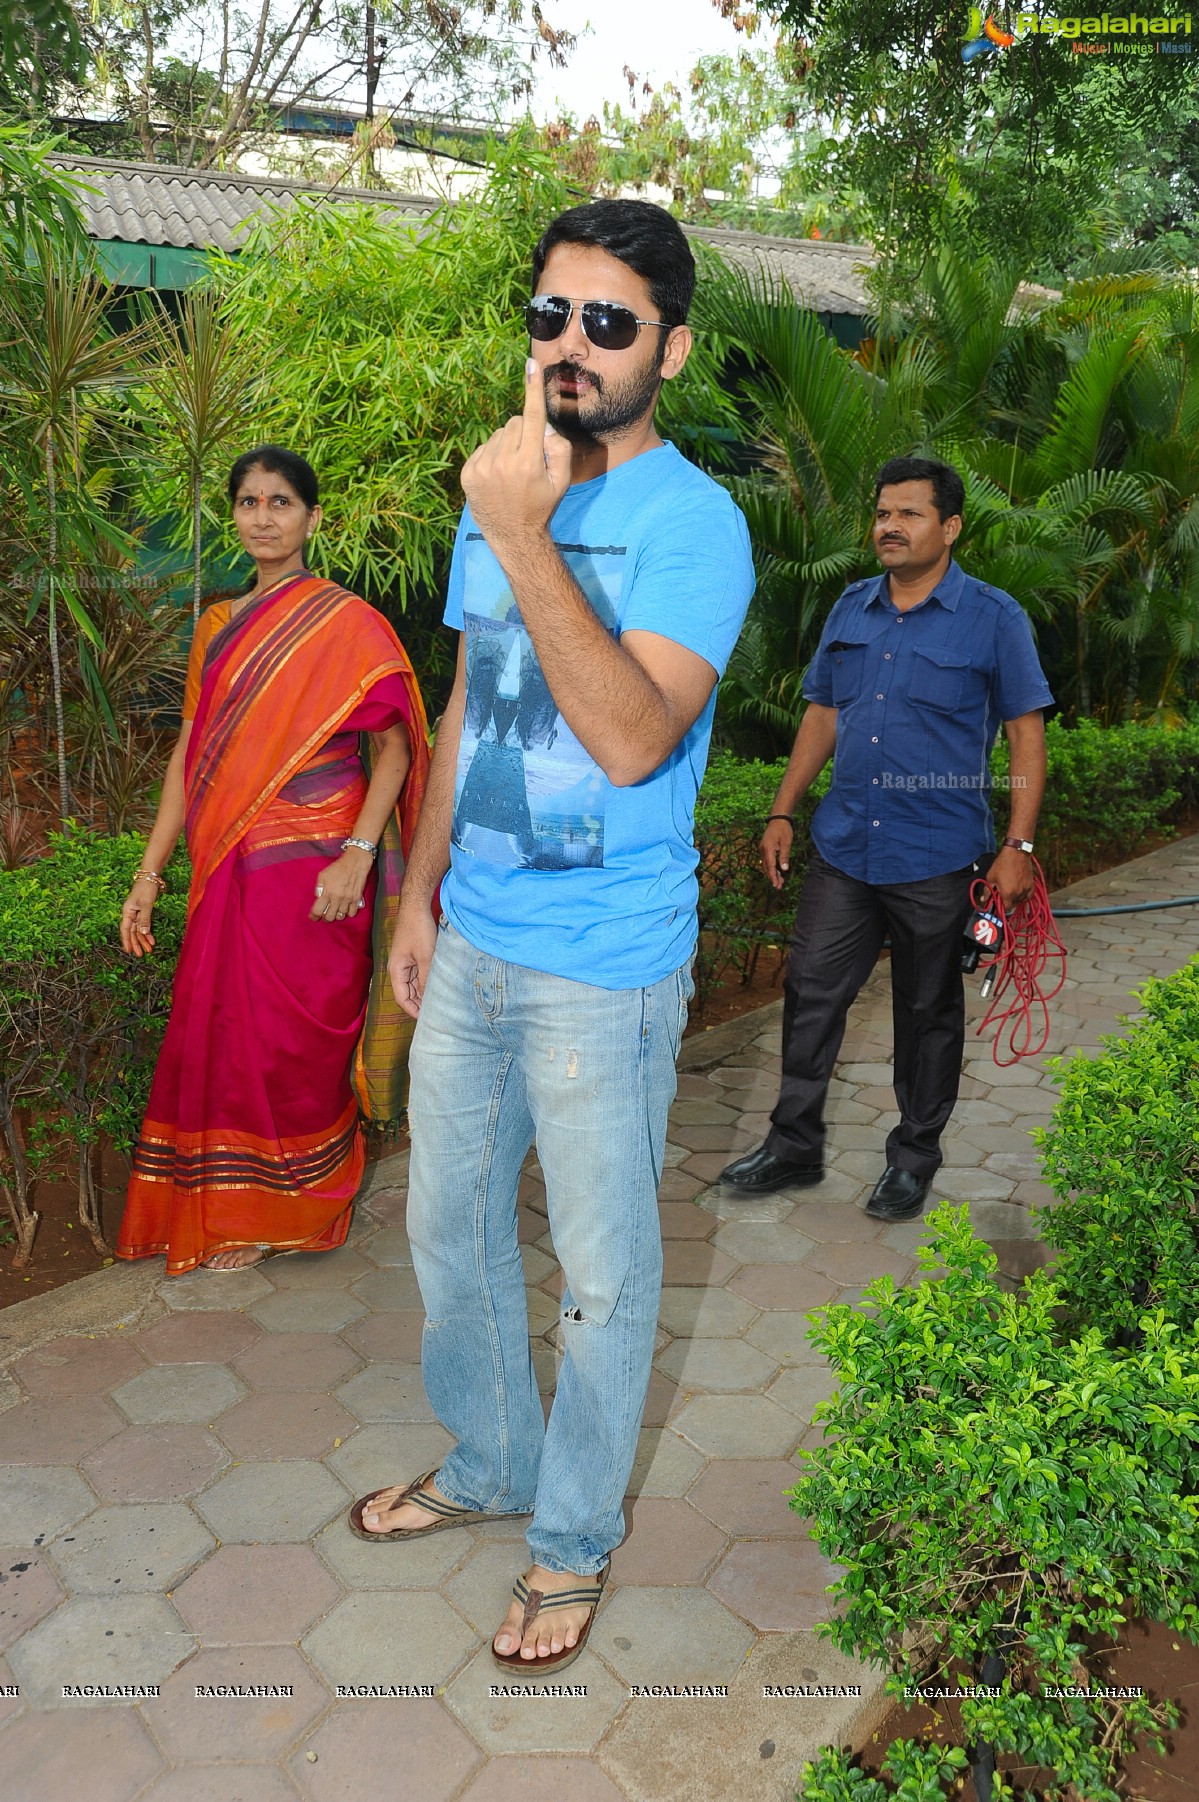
(575, 372)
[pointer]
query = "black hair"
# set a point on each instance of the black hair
(637, 233)
(294, 469)
(949, 491)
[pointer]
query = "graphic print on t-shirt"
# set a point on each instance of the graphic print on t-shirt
(527, 794)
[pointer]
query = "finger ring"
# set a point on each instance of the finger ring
(320, 889)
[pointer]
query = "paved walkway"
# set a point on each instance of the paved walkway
(177, 1458)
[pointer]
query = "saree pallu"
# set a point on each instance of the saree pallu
(252, 1131)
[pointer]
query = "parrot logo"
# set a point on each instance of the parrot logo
(984, 37)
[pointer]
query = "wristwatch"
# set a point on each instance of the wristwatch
(1019, 844)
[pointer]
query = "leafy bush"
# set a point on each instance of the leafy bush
(1122, 1155)
(997, 1490)
(80, 1022)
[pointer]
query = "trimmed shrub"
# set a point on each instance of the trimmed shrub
(1122, 1154)
(80, 1022)
(1001, 1497)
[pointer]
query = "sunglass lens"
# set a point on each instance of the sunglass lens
(546, 317)
(609, 327)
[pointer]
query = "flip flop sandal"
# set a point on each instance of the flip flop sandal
(268, 1251)
(449, 1514)
(537, 1601)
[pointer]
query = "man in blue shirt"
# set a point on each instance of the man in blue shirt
(914, 671)
(599, 583)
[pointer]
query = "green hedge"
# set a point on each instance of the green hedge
(1122, 1155)
(80, 1022)
(1012, 1477)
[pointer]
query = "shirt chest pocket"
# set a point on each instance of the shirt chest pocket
(847, 662)
(939, 679)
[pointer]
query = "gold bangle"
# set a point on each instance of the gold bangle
(150, 876)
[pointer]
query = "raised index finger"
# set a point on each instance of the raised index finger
(534, 414)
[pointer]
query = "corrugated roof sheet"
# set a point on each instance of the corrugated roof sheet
(152, 203)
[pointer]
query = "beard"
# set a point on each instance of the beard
(608, 410)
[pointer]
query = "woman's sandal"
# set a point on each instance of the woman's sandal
(449, 1514)
(535, 1602)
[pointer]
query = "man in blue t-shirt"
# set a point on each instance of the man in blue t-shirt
(914, 671)
(599, 582)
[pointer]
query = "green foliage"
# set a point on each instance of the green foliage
(1122, 1156)
(918, 1774)
(80, 1021)
(996, 1488)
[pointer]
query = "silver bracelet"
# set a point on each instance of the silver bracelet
(359, 844)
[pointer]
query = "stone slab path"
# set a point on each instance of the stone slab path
(176, 1459)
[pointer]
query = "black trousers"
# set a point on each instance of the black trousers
(839, 931)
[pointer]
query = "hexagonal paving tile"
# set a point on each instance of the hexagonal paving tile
(515, 1723)
(394, 1338)
(664, 1464)
(29, 1590)
(783, 1335)
(778, 1586)
(762, 1243)
(306, 1311)
(222, 1783)
(154, 1464)
(670, 1636)
(256, 1595)
(318, 1269)
(802, 1389)
(197, 1338)
(389, 1290)
(737, 1426)
(381, 1637)
(60, 1430)
(716, 1364)
(192, 1727)
(379, 1456)
(274, 1504)
(859, 1263)
(388, 1247)
(667, 1542)
(355, 1753)
(541, 1779)
(793, 1287)
(693, 1261)
(387, 1392)
(824, 1220)
(747, 1496)
(194, 1393)
(296, 1361)
(77, 1366)
(688, 1313)
(103, 1754)
(231, 1289)
(131, 1546)
(120, 1641)
(37, 1502)
(481, 1589)
(416, 1564)
(288, 1423)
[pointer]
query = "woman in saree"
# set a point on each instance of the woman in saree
(251, 1142)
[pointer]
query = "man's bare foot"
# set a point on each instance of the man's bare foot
(382, 1517)
(239, 1257)
(553, 1630)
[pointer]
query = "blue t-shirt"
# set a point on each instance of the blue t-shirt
(551, 865)
(919, 698)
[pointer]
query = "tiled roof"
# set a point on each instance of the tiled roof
(828, 278)
(152, 203)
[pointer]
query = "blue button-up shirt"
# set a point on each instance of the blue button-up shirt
(919, 698)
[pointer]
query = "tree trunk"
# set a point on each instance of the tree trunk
(90, 1198)
(25, 1219)
(60, 725)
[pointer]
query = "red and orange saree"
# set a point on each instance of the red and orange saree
(277, 1031)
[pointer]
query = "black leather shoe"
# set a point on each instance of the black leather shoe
(761, 1173)
(899, 1195)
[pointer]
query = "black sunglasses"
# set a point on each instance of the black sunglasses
(606, 323)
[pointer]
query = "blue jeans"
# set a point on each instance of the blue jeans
(504, 1056)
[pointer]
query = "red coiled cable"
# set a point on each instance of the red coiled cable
(1020, 1003)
